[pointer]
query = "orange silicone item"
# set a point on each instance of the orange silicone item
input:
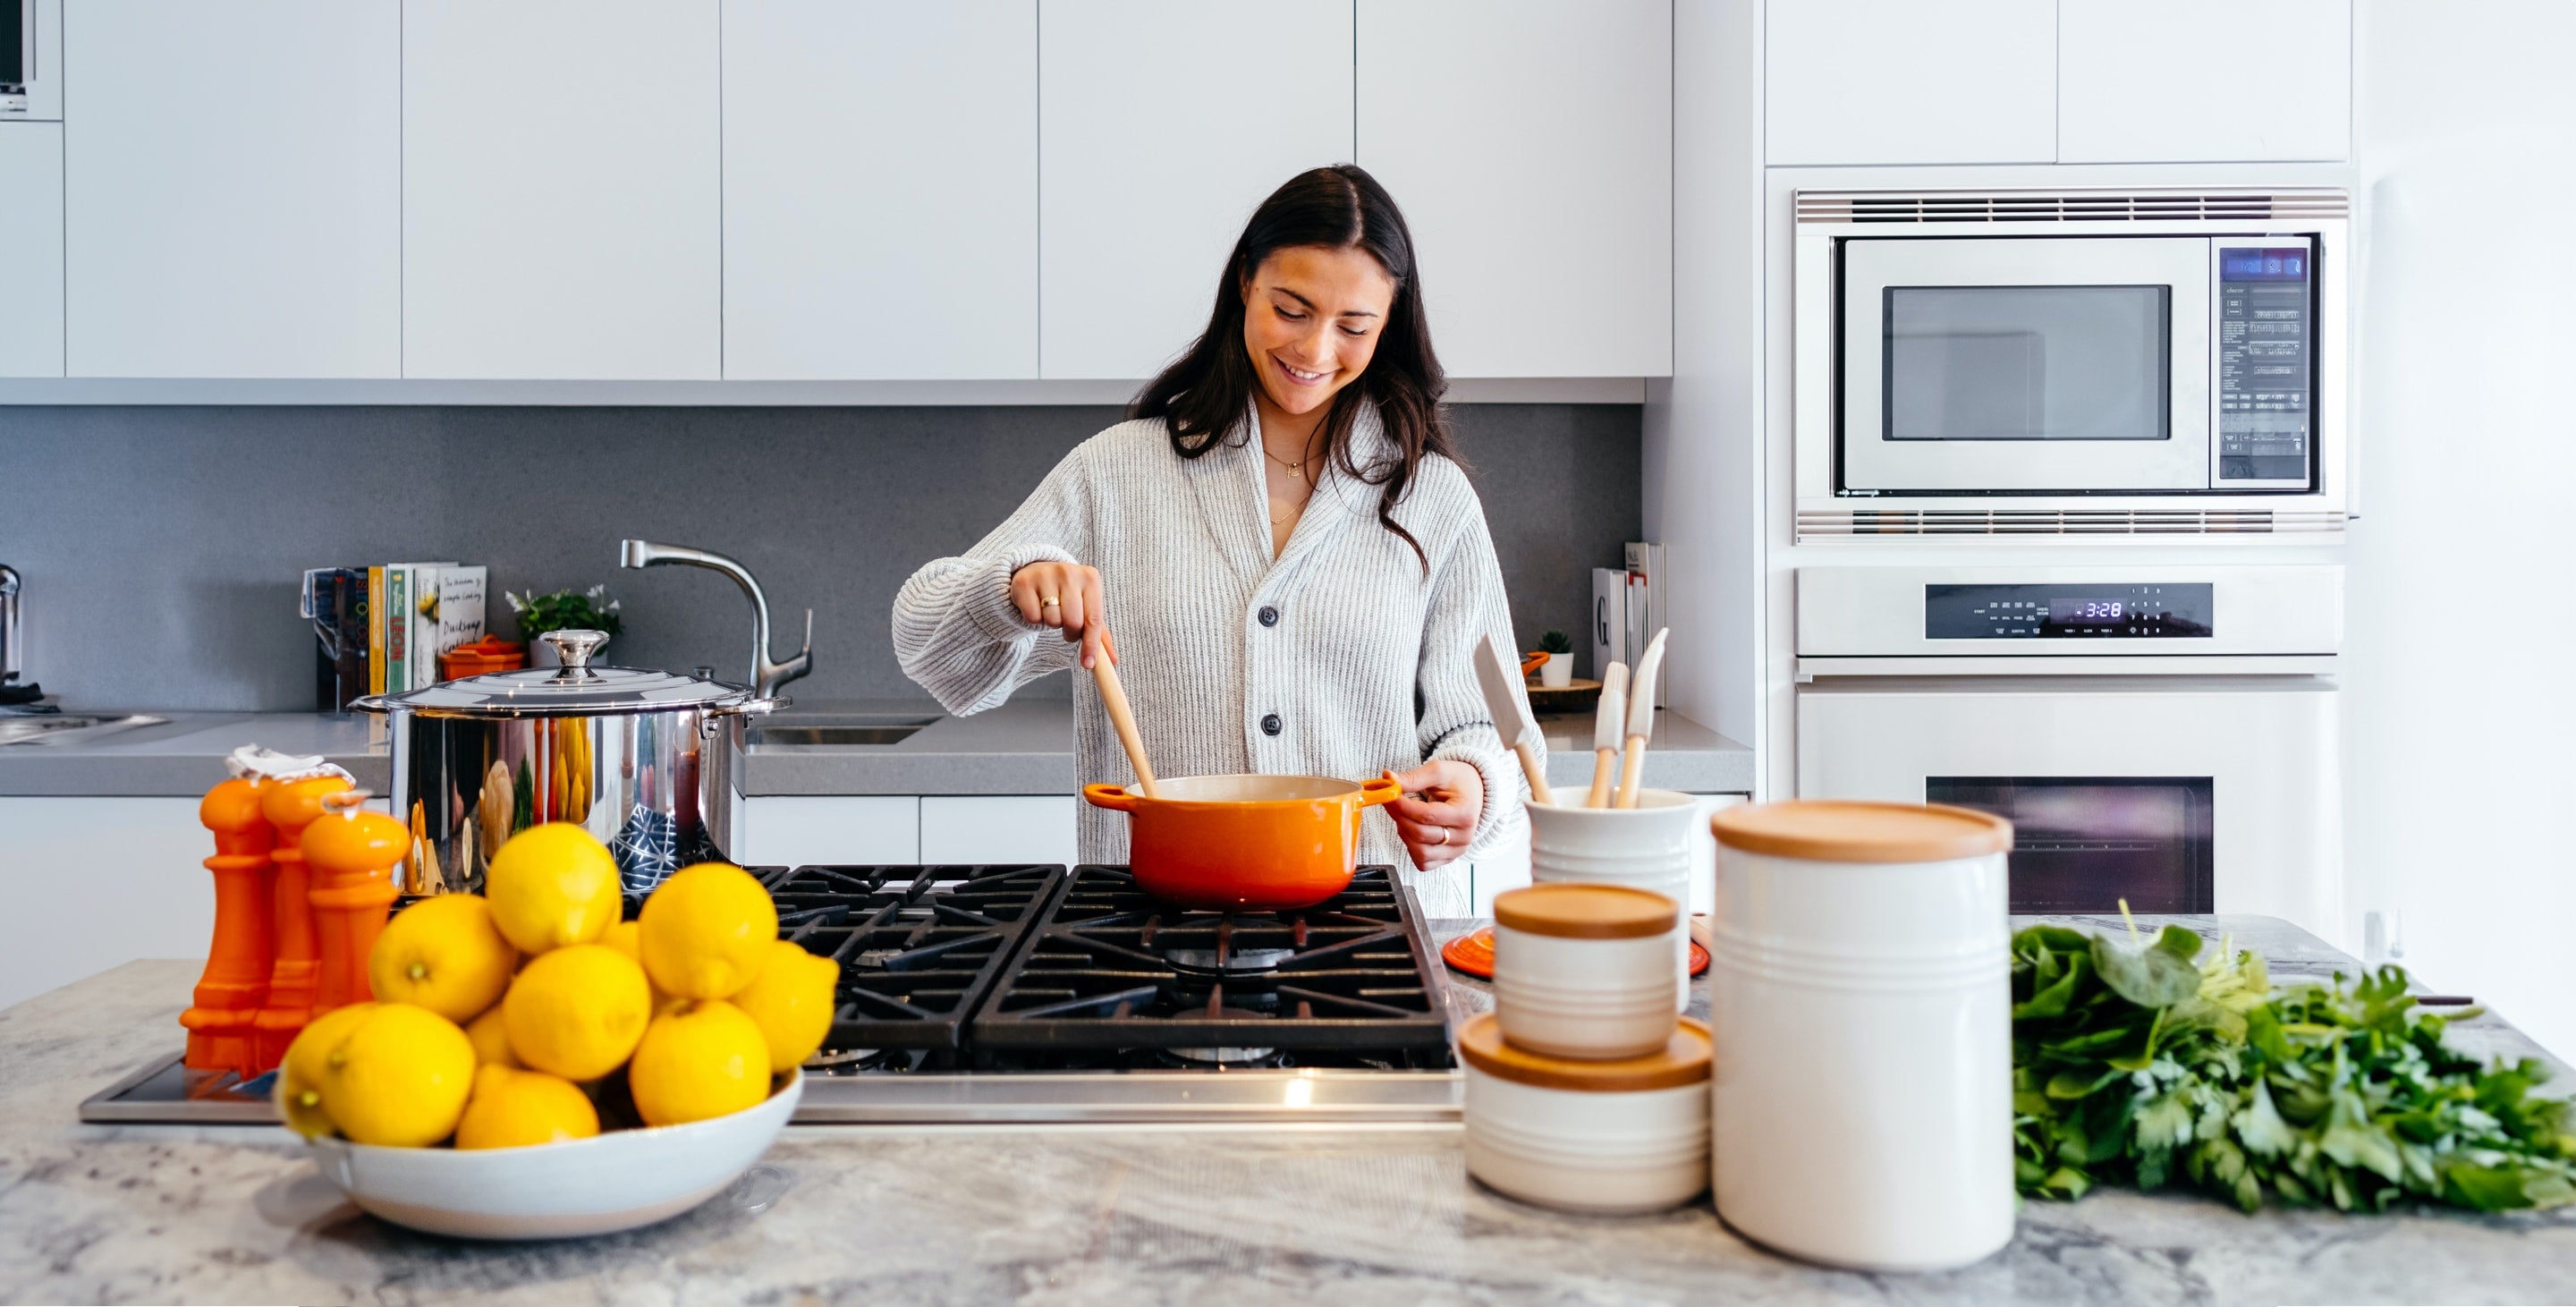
(235, 983)
(290, 806)
(350, 854)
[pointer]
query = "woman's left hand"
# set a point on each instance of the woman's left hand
(1437, 826)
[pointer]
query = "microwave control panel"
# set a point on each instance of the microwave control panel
(2068, 612)
(2266, 400)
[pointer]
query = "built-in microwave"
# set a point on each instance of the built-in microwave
(2007, 352)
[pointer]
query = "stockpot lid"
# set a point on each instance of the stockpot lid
(575, 689)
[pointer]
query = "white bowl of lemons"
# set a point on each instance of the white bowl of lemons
(533, 1068)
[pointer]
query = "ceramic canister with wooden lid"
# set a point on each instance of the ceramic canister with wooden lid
(1628, 1135)
(1583, 970)
(1860, 998)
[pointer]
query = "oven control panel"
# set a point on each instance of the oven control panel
(2266, 313)
(2154, 610)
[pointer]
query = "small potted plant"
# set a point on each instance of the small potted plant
(1558, 670)
(564, 610)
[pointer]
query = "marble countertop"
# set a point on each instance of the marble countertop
(1100, 1215)
(1021, 747)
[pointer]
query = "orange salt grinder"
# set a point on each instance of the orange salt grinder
(229, 994)
(290, 806)
(350, 854)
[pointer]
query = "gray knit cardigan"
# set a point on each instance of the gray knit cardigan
(1342, 657)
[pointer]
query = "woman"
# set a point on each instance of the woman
(1296, 566)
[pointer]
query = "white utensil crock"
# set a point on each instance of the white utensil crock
(1860, 998)
(1646, 847)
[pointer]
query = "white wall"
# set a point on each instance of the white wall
(2461, 712)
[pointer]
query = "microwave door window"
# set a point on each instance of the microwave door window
(13, 44)
(2051, 363)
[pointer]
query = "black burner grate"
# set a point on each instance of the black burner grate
(1111, 968)
(917, 945)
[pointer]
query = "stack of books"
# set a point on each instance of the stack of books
(383, 628)
(1628, 608)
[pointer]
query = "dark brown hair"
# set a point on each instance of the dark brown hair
(1203, 394)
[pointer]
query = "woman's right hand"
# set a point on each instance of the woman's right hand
(1066, 596)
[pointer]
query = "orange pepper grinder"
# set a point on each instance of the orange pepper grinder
(235, 982)
(350, 853)
(290, 806)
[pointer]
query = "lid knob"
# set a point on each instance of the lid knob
(575, 649)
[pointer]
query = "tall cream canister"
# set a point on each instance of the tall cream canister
(1860, 997)
(1647, 847)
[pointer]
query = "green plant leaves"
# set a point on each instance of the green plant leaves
(2159, 975)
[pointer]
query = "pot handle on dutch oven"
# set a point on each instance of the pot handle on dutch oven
(1114, 797)
(1379, 789)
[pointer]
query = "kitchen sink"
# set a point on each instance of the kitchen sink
(59, 728)
(839, 733)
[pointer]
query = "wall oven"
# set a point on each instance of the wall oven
(2021, 352)
(2168, 736)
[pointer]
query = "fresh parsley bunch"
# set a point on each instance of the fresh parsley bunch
(2141, 1065)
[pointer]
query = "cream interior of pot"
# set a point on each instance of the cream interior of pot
(1246, 788)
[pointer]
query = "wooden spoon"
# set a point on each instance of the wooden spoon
(1113, 696)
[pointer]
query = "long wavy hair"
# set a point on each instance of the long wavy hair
(1204, 393)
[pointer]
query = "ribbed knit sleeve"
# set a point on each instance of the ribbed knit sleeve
(956, 631)
(1467, 604)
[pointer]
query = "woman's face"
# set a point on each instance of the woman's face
(1311, 318)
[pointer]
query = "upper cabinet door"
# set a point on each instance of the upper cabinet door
(1529, 143)
(1911, 81)
(31, 230)
(2187, 81)
(232, 188)
(561, 201)
(880, 189)
(1163, 124)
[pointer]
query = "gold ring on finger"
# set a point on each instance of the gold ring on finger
(1049, 602)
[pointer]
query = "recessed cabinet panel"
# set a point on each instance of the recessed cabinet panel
(1529, 143)
(880, 189)
(232, 188)
(561, 197)
(2194, 80)
(1164, 124)
(1904, 81)
(980, 828)
(31, 231)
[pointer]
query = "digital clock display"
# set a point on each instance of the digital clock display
(2087, 612)
(2170, 610)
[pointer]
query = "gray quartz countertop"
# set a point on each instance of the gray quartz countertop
(1022, 747)
(1103, 1215)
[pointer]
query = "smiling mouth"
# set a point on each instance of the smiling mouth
(1297, 377)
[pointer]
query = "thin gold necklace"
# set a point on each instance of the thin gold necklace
(1297, 466)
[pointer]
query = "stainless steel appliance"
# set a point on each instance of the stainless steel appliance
(650, 762)
(2035, 361)
(2168, 735)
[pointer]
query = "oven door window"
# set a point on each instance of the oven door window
(2084, 843)
(2027, 363)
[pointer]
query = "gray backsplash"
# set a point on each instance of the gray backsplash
(161, 545)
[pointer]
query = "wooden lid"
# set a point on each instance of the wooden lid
(1569, 910)
(1839, 830)
(1685, 1059)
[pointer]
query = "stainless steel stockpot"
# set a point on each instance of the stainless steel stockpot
(650, 762)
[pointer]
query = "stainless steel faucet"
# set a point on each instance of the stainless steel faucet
(766, 676)
(8, 624)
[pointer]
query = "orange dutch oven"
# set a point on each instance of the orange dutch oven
(1245, 843)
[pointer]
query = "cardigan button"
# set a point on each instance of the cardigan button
(1270, 724)
(1269, 615)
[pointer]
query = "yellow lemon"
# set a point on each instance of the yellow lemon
(627, 937)
(576, 1012)
(490, 1035)
(397, 1076)
(699, 1060)
(301, 1075)
(706, 930)
(512, 1109)
(791, 1001)
(443, 954)
(552, 885)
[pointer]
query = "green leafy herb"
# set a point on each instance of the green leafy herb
(2148, 1066)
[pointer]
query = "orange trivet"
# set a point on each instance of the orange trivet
(1473, 953)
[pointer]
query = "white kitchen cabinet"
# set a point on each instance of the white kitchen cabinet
(1903, 81)
(1529, 143)
(31, 230)
(983, 828)
(93, 883)
(233, 189)
(791, 830)
(1163, 124)
(880, 189)
(2184, 81)
(562, 203)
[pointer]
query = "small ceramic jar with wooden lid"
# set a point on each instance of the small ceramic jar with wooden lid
(1585, 970)
(1627, 1135)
